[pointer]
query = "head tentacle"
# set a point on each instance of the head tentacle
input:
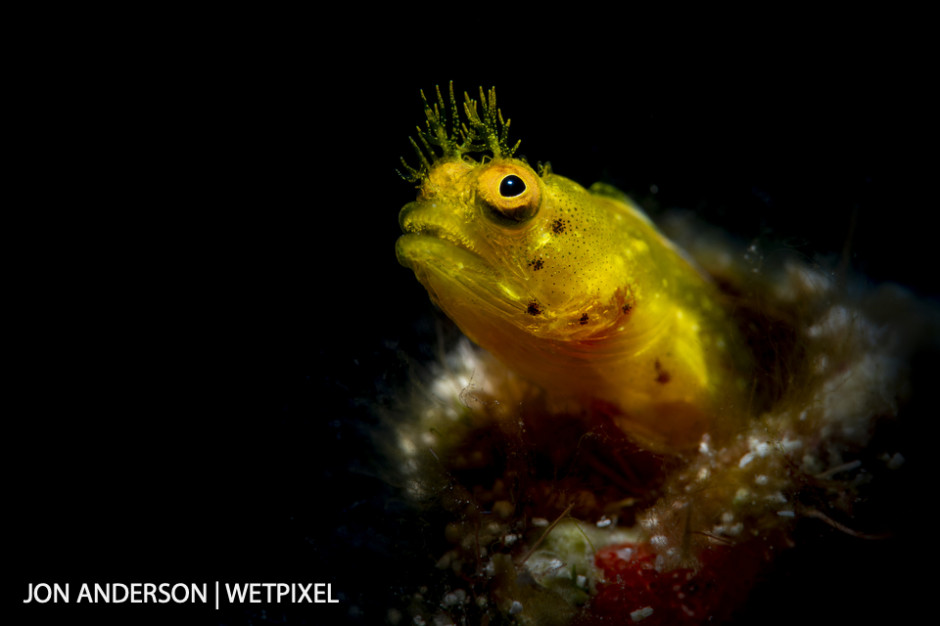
(446, 137)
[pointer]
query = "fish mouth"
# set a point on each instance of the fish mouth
(458, 245)
(437, 250)
(426, 219)
(432, 236)
(450, 264)
(458, 280)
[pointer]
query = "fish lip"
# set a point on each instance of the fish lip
(441, 265)
(441, 233)
(427, 239)
(420, 219)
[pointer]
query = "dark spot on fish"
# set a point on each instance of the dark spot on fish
(559, 226)
(626, 298)
(533, 308)
(662, 376)
(537, 264)
(583, 320)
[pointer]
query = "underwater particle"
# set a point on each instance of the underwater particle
(641, 614)
(503, 509)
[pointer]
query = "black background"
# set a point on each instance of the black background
(212, 304)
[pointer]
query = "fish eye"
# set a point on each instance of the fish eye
(510, 192)
(511, 186)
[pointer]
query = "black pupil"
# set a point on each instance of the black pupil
(511, 186)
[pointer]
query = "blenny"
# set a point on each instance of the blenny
(572, 288)
(636, 421)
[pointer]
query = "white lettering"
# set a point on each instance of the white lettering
(271, 593)
(236, 593)
(125, 592)
(43, 593)
(143, 593)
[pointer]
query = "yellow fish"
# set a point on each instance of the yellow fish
(574, 289)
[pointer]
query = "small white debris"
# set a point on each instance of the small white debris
(732, 530)
(761, 479)
(660, 541)
(747, 458)
(896, 461)
(516, 608)
(762, 449)
(641, 614)
(649, 521)
(811, 464)
(624, 553)
(727, 517)
(604, 522)
(704, 446)
(540, 522)
(510, 539)
(786, 513)
(581, 581)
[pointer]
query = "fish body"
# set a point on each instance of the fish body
(574, 289)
